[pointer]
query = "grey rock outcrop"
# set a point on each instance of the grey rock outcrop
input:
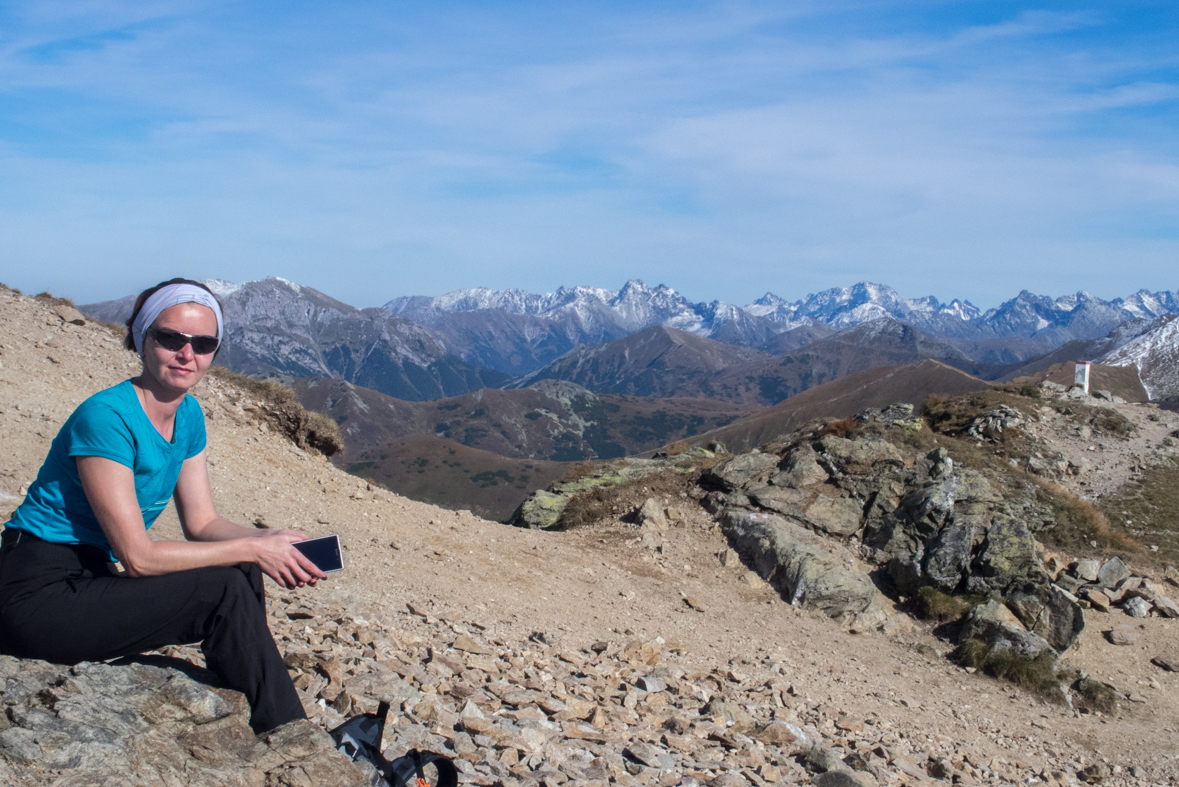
(804, 567)
(140, 724)
(994, 624)
(1050, 613)
(739, 471)
(928, 520)
(947, 556)
(931, 521)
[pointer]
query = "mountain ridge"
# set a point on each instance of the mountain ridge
(419, 347)
(275, 326)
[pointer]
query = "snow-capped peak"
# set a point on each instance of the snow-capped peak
(222, 288)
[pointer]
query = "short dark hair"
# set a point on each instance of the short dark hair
(129, 341)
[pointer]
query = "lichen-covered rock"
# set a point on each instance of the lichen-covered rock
(1050, 613)
(995, 625)
(741, 470)
(807, 569)
(1009, 556)
(540, 510)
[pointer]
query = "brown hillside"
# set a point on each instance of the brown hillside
(451, 475)
(657, 361)
(912, 383)
(1118, 380)
(883, 342)
(551, 420)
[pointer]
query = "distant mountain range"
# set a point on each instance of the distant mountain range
(648, 341)
(517, 332)
(666, 362)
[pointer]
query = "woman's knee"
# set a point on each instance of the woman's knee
(227, 584)
(254, 577)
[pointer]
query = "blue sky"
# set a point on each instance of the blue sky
(378, 149)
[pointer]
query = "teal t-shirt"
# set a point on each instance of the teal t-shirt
(110, 424)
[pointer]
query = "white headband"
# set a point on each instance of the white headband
(166, 297)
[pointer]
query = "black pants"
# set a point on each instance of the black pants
(60, 603)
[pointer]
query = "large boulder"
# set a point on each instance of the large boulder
(1112, 572)
(1009, 556)
(839, 516)
(801, 468)
(739, 471)
(859, 456)
(140, 724)
(808, 570)
(822, 508)
(995, 625)
(1050, 613)
(947, 555)
(929, 508)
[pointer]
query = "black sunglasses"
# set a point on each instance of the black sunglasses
(174, 341)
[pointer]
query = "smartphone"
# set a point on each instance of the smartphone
(323, 552)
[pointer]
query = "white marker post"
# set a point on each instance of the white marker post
(1082, 375)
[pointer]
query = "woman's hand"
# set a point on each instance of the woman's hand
(278, 558)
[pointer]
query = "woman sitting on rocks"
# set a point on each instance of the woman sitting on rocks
(110, 472)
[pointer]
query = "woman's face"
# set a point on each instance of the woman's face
(179, 371)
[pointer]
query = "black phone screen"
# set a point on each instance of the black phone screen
(323, 552)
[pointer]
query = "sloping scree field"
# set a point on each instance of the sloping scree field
(607, 654)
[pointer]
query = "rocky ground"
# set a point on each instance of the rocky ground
(608, 654)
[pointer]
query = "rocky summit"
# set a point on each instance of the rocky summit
(727, 619)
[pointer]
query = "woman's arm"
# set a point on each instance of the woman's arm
(110, 489)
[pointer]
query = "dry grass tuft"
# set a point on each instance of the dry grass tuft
(281, 408)
(1036, 675)
(939, 606)
(1080, 524)
(53, 300)
(953, 415)
(1146, 509)
(844, 427)
(585, 508)
(580, 471)
(1092, 695)
(1029, 389)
